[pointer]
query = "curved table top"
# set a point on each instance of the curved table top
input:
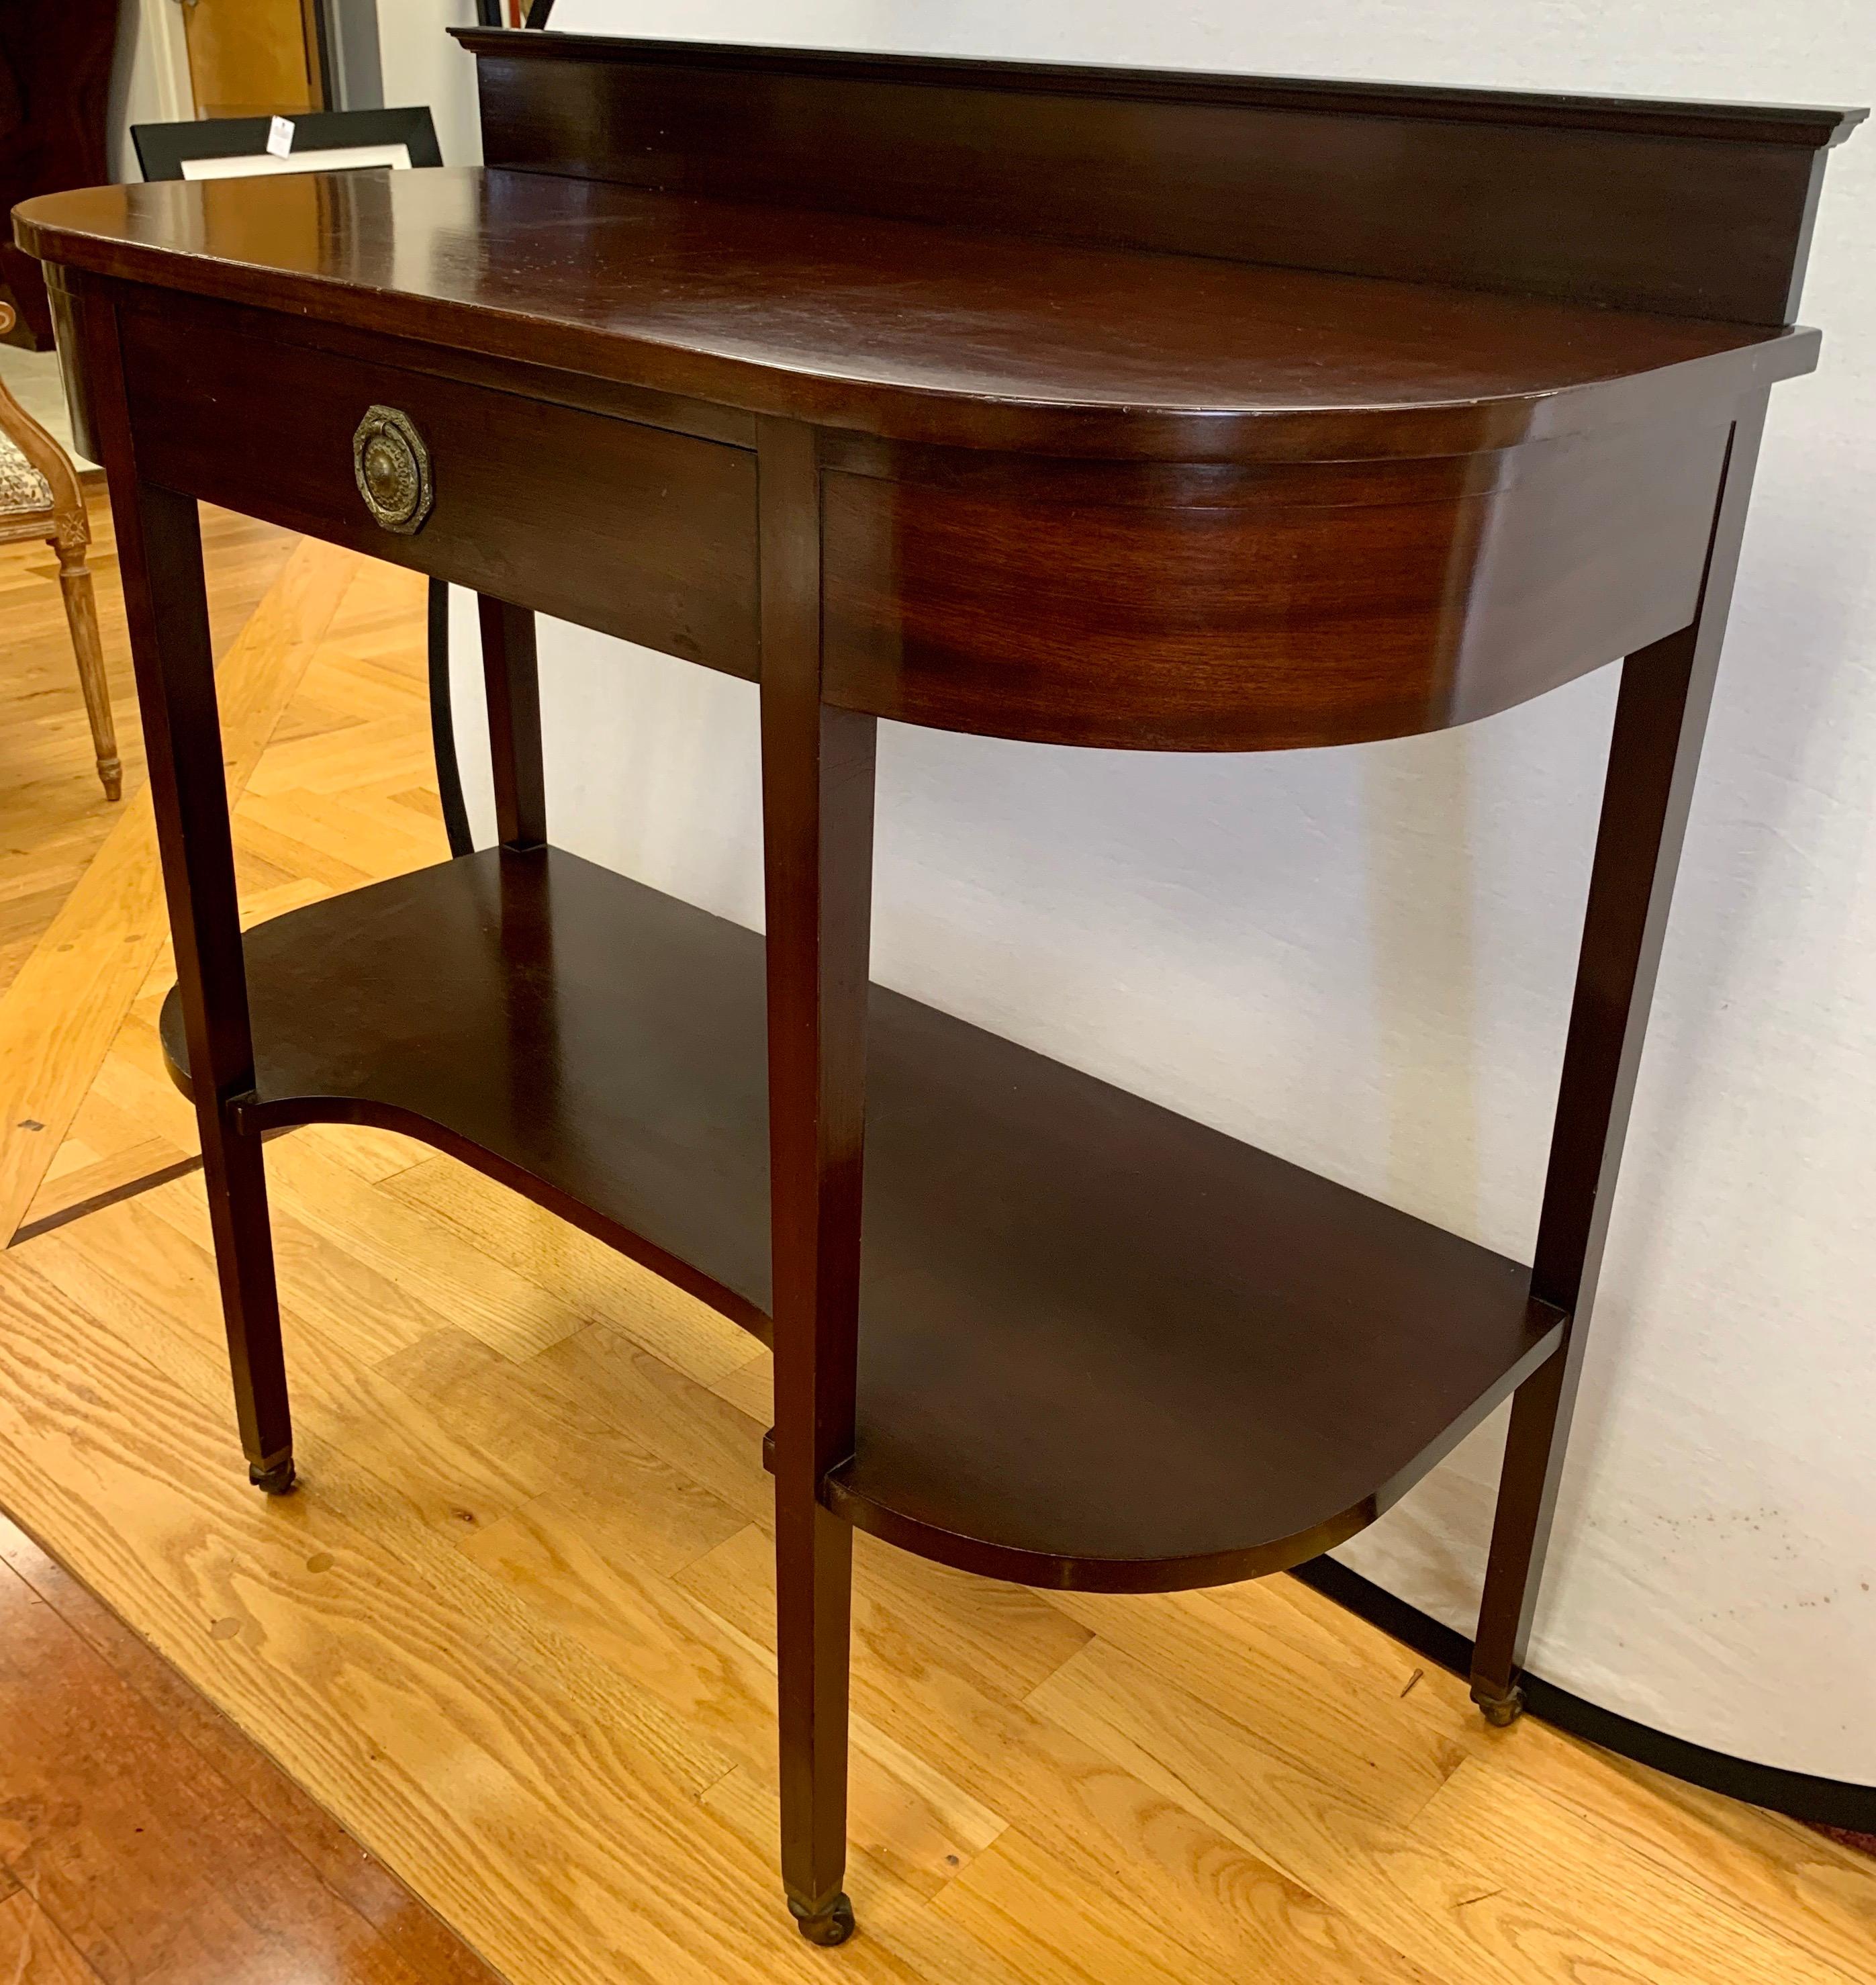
(910, 331)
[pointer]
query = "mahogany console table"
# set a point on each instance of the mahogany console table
(1099, 407)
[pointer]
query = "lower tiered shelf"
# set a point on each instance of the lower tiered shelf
(1101, 1345)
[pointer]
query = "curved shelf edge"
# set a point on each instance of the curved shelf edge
(1057, 1572)
(290, 1112)
(1103, 1346)
(1067, 1572)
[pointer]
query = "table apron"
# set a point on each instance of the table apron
(633, 529)
(993, 601)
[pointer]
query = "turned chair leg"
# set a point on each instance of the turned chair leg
(82, 617)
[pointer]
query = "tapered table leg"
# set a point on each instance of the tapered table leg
(1654, 749)
(817, 774)
(159, 557)
(510, 678)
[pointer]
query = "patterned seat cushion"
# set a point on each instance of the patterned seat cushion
(21, 485)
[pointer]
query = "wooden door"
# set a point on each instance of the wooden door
(251, 57)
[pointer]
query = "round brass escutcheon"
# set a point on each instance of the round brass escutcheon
(393, 467)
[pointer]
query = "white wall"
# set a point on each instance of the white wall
(149, 78)
(1361, 958)
(420, 64)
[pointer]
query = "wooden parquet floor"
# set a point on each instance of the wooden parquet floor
(514, 1629)
(53, 814)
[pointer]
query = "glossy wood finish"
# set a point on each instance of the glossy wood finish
(1654, 754)
(228, 411)
(1265, 611)
(511, 679)
(1193, 605)
(1033, 1236)
(917, 332)
(159, 555)
(817, 789)
(150, 1839)
(1703, 209)
(1143, 486)
(518, 1443)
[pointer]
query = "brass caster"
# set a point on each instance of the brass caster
(831, 1926)
(277, 1480)
(1501, 1711)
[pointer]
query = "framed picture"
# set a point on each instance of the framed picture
(319, 141)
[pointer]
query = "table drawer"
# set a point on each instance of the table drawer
(634, 530)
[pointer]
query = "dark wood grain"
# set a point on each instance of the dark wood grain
(1700, 209)
(166, 604)
(54, 128)
(1293, 609)
(640, 532)
(1111, 407)
(511, 684)
(1808, 125)
(1654, 754)
(921, 333)
(549, 385)
(817, 787)
(159, 1840)
(1064, 1289)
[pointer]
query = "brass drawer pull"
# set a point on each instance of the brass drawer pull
(393, 467)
